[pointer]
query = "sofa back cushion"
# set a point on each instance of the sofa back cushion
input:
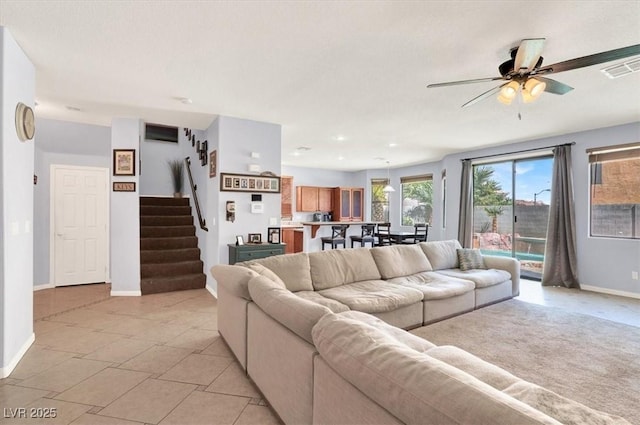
(295, 313)
(411, 385)
(341, 266)
(400, 260)
(442, 254)
(292, 269)
(235, 279)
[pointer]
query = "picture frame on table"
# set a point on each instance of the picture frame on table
(255, 238)
(239, 240)
(230, 182)
(124, 162)
(273, 235)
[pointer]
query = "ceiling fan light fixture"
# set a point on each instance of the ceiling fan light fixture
(532, 90)
(508, 92)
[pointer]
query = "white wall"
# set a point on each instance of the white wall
(604, 264)
(155, 178)
(237, 138)
(125, 215)
(17, 76)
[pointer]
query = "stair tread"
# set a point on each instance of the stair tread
(175, 277)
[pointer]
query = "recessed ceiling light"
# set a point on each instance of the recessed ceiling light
(186, 100)
(339, 138)
(303, 148)
(393, 145)
(73, 108)
(340, 158)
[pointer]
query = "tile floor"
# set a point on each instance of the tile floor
(159, 359)
(156, 359)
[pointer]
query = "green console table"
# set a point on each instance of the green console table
(248, 252)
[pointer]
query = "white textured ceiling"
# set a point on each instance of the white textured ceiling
(326, 70)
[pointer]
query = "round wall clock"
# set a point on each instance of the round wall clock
(25, 122)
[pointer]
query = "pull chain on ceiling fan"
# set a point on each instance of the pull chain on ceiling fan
(523, 72)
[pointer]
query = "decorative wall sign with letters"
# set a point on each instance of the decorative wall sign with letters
(124, 186)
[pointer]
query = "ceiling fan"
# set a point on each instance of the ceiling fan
(523, 72)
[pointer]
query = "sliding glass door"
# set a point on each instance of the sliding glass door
(511, 210)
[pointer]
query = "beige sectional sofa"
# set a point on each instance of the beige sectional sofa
(277, 315)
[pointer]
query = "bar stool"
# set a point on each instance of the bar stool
(338, 235)
(366, 235)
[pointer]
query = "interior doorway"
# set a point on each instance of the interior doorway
(79, 225)
(511, 210)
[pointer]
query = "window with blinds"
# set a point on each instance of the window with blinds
(614, 201)
(379, 201)
(417, 199)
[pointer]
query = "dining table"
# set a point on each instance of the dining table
(399, 236)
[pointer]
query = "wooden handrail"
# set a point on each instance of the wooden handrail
(194, 188)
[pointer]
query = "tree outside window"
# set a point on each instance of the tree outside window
(488, 194)
(417, 200)
(379, 201)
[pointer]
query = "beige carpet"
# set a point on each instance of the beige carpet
(593, 361)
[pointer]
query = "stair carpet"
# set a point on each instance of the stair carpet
(169, 253)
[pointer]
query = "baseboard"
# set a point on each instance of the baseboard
(45, 286)
(6, 371)
(126, 293)
(212, 291)
(610, 291)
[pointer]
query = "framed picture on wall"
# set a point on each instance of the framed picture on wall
(124, 162)
(212, 164)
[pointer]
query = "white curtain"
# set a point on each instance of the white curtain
(560, 258)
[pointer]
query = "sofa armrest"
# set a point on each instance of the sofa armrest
(293, 312)
(508, 264)
(235, 279)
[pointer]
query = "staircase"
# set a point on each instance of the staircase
(169, 253)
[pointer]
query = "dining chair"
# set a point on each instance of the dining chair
(366, 235)
(384, 234)
(420, 231)
(338, 236)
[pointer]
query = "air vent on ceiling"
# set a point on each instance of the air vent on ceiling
(621, 69)
(160, 132)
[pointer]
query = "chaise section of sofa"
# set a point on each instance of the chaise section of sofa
(365, 369)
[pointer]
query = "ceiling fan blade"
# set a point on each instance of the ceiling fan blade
(457, 83)
(528, 54)
(602, 57)
(555, 87)
(484, 95)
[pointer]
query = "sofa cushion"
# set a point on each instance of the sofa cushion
(470, 259)
(482, 278)
(400, 260)
(314, 296)
(435, 286)
(295, 313)
(412, 385)
(409, 339)
(488, 373)
(268, 273)
(235, 279)
(373, 296)
(293, 269)
(441, 254)
(562, 409)
(341, 266)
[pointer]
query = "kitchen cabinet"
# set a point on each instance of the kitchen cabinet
(292, 238)
(286, 197)
(348, 204)
(314, 199)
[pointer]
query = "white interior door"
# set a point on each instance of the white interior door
(79, 211)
